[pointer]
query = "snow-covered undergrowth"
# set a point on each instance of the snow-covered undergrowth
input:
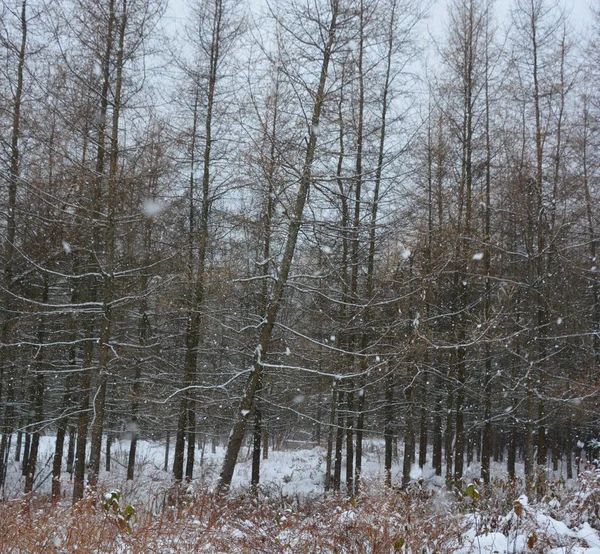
(552, 525)
(292, 514)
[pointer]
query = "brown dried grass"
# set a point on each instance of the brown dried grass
(375, 523)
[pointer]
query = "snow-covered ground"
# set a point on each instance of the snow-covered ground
(498, 520)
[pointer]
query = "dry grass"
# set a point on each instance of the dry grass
(380, 521)
(376, 523)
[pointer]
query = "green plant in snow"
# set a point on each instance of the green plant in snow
(125, 517)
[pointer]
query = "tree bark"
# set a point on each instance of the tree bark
(237, 434)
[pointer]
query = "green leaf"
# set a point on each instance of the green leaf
(472, 491)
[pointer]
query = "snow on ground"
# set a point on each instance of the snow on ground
(299, 471)
(547, 527)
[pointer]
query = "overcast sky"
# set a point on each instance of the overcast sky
(579, 9)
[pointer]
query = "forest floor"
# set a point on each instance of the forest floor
(291, 513)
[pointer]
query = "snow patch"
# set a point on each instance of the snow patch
(415, 472)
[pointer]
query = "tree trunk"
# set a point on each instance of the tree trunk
(256, 446)
(167, 446)
(339, 443)
(350, 440)
(18, 446)
(71, 449)
(409, 439)
(109, 246)
(449, 437)
(330, 435)
(109, 440)
(388, 431)
(11, 227)
(237, 434)
(84, 417)
(38, 396)
(360, 426)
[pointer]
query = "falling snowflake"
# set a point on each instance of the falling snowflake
(152, 208)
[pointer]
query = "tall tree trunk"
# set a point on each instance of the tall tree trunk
(436, 460)
(449, 437)
(423, 419)
(409, 439)
(388, 431)
(486, 439)
(91, 288)
(330, 436)
(350, 440)
(11, 227)
(38, 396)
(84, 416)
(266, 269)
(256, 446)
(110, 249)
(237, 434)
(339, 443)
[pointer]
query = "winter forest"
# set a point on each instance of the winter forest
(234, 229)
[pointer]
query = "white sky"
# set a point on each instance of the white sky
(579, 12)
(579, 9)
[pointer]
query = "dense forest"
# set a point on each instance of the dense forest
(308, 223)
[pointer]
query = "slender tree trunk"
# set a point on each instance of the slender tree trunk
(84, 417)
(330, 436)
(449, 438)
(359, 338)
(167, 446)
(350, 439)
(110, 248)
(18, 446)
(423, 419)
(237, 434)
(26, 451)
(569, 452)
(38, 397)
(61, 432)
(388, 431)
(135, 391)
(109, 440)
(339, 443)
(179, 455)
(71, 449)
(256, 446)
(436, 460)
(486, 438)
(11, 227)
(460, 422)
(58, 456)
(266, 268)
(360, 427)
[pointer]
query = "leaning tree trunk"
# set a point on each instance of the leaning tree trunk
(237, 433)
